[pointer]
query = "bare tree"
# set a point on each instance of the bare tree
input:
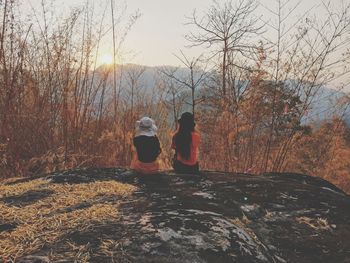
(227, 28)
(270, 83)
(172, 90)
(54, 101)
(311, 57)
(194, 77)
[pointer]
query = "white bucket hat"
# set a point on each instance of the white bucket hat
(146, 126)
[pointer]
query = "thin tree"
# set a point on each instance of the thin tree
(227, 28)
(194, 77)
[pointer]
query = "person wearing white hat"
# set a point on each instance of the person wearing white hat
(147, 146)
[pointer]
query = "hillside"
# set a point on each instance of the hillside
(116, 215)
(322, 106)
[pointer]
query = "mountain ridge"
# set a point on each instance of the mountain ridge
(322, 107)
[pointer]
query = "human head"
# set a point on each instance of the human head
(187, 121)
(146, 126)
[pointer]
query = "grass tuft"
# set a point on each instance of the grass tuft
(314, 223)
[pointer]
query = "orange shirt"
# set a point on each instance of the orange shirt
(194, 150)
(146, 168)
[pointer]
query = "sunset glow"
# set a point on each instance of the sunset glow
(105, 59)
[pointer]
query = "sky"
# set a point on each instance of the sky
(161, 28)
(159, 32)
(156, 35)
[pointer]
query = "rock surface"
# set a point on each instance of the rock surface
(211, 217)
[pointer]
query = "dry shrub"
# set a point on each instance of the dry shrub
(324, 152)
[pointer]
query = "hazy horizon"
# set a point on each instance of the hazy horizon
(158, 33)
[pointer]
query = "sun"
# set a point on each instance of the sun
(106, 59)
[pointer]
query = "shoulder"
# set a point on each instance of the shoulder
(141, 138)
(196, 136)
(155, 138)
(137, 139)
(174, 136)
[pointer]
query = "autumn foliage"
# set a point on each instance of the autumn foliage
(59, 111)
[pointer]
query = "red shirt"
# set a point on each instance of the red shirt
(193, 150)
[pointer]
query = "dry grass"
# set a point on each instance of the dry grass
(314, 223)
(44, 222)
(114, 251)
(76, 253)
(17, 189)
(269, 215)
(243, 225)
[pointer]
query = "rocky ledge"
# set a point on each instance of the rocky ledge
(210, 217)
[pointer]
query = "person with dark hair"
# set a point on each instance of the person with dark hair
(147, 146)
(186, 142)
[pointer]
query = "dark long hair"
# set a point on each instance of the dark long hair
(183, 138)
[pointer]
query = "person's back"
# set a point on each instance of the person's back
(147, 146)
(186, 144)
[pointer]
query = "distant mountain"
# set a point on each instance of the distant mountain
(323, 106)
(326, 104)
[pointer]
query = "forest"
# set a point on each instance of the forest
(251, 92)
